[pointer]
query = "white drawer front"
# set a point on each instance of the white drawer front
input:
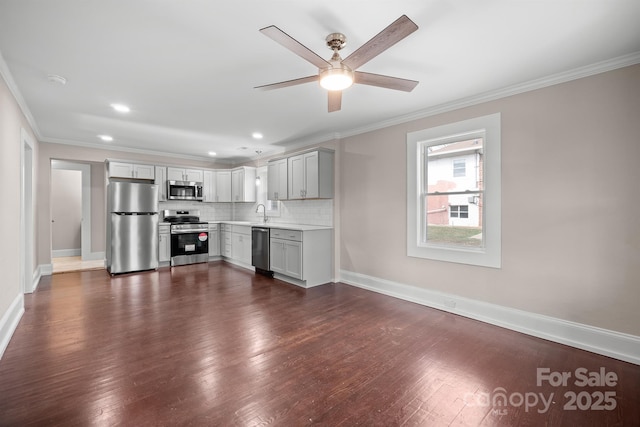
(281, 233)
(241, 229)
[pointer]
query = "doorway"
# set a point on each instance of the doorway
(75, 227)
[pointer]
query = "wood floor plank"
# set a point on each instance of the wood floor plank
(214, 344)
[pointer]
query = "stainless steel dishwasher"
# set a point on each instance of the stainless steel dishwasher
(260, 250)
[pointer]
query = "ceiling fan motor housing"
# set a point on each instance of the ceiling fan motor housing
(336, 41)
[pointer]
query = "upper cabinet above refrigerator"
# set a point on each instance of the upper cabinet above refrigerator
(131, 170)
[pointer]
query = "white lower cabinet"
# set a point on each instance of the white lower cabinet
(286, 257)
(214, 240)
(164, 244)
(241, 247)
(235, 242)
(225, 240)
(304, 258)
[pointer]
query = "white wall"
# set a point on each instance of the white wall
(570, 228)
(12, 121)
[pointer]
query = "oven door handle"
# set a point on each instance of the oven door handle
(189, 231)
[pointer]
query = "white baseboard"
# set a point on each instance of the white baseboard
(9, 322)
(46, 269)
(238, 263)
(65, 252)
(602, 341)
(35, 281)
(93, 256)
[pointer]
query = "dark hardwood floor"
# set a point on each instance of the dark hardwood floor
(213, 344)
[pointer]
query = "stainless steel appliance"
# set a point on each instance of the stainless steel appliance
(184, 190)
(132, 227)
(189, 237)
(260, 250)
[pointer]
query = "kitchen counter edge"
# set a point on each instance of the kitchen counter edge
(285, 226)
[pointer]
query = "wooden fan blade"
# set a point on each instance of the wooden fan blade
(384, 81)
(288, 83)
(335, 100)
(391, 35)
(294, 46)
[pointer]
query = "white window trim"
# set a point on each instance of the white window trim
(491, 254)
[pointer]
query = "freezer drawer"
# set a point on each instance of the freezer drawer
(134, 242)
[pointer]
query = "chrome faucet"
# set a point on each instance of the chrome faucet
(264, 212)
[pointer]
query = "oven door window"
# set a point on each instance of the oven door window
(189, 243)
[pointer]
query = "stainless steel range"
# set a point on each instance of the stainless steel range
(189, 237)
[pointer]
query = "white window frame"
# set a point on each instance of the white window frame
(487, 127)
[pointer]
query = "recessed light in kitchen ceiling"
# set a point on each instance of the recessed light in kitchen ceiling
(257, 135)
(120, 108)
(106, 138)
(212, 153)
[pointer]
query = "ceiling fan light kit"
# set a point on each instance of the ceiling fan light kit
(339, 77)
(338, 74)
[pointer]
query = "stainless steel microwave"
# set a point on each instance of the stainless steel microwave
(184, 190)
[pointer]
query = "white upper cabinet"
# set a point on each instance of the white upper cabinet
(209, 186)
(277, 180)
(243, 184)
(180, 174)
(310, 175)
(131, 170)
(161, 182)
(223, 186)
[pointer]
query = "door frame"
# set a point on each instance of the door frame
(26, 212)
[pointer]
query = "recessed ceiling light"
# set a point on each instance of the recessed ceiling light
(121, 108)
(106, 138)
(257, 135)
(212, 153)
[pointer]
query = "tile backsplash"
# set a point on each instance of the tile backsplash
(311, 212)
(208, 211)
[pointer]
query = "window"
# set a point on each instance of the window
(453, 192)
(459, 211)
(459, 167)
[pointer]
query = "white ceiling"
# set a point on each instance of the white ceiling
(187, 68)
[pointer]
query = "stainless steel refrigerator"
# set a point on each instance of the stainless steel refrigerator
(132, 227)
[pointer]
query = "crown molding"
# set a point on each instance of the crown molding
(554, 79)
(13, 88)
(131, 150)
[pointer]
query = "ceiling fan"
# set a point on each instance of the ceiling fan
(337, 74)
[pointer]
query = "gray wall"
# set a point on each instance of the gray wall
(66, 209)
(570, 203)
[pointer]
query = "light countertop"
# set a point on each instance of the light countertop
(286, 226)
